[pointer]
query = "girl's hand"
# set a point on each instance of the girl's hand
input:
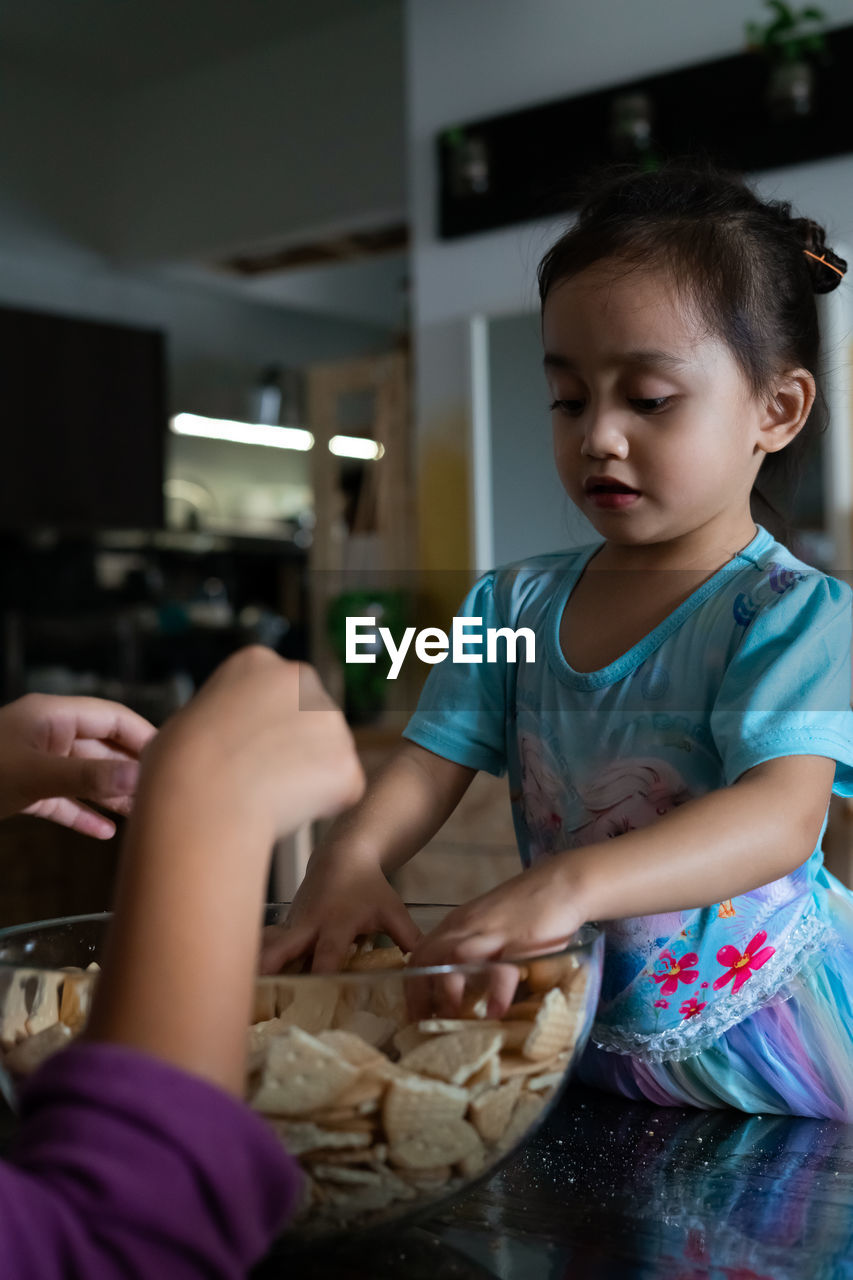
(57, 752)
(338, 900)
(533, 913)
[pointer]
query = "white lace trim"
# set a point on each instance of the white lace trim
(695, 1034)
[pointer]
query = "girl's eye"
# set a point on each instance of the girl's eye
(570, 407)
(654, 405)
(574, 408)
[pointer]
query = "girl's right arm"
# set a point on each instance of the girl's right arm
(345, 891)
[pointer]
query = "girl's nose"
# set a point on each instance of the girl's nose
(603, 437)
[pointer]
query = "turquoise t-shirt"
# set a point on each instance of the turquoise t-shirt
(755, 664)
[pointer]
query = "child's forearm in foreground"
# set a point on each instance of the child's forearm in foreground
(260, 750)
(203, 911)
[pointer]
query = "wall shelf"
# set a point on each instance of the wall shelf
(530, 160)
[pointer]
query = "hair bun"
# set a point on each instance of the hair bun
(825, 268)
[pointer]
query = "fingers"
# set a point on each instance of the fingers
(47, 780)
(331, 943)
(420, 1001)
(98, 749)
(122, 805)
(282, 943)
(503, 983)
(439, 995)
(330, 951)
(99, 780)
(478, 946)
(77, 817)
(129, 731)
(401, 928)
(100, 719)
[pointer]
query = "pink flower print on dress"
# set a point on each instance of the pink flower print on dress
(691, 1007)
(741, 967)
(678, 970)
(661, 1004)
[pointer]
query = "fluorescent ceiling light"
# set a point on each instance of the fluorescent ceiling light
(356, 447)
(192, 424)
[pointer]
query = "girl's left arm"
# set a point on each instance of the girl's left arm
(715, 847)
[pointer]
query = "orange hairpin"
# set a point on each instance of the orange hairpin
(822, 259)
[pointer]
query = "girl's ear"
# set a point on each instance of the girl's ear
(786, 410)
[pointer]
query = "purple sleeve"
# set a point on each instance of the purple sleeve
(125, 1167)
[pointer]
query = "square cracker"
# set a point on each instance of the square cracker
(372, 1028)
(309, 1003)
(302, 1136)
(13, 1009)
(413, 1104)
(491, 1112)
(74, 1002)
(377, 960)
(445, 1143)
(352, 1047)
(454, 1057)
(553, 1028)
(527, 1111)
(488, 1077)
(301, 1074)
(45, 1007)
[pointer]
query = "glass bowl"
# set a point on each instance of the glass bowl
(393, 1087)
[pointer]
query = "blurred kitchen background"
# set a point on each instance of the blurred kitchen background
(268, 339)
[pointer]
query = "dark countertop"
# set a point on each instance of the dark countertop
(612, 1190)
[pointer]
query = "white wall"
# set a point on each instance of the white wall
(285, 143)
(473, 58)
(536, 513)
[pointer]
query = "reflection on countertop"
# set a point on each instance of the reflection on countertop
(613, 1190)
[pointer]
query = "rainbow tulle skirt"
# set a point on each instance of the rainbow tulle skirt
(792, 1056)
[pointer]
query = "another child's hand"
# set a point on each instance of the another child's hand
(530, 914)
(58, 752)
(337, 901)
(263, 740)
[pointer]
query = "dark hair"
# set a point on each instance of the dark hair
(750, 266)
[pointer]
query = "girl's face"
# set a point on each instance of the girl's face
(657, 436)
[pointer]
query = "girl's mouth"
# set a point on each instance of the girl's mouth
(610, 494)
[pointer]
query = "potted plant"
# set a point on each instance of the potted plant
(790, 41)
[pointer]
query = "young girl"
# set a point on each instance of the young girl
(672, 750)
